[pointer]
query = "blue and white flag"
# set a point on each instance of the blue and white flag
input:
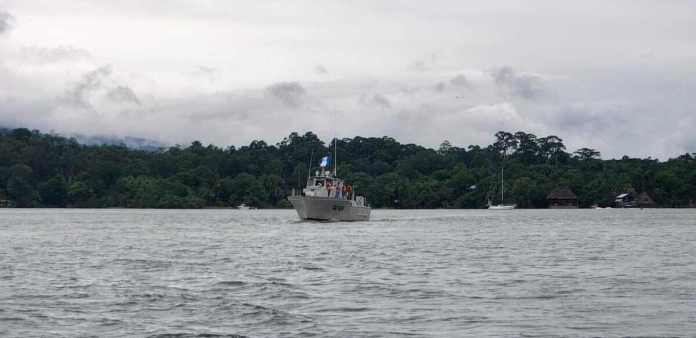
(325, 161)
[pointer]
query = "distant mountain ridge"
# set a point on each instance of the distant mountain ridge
(137, 143)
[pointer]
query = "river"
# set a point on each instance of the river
(421, 273)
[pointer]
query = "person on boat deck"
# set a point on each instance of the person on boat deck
(339, 190)
(329, 188)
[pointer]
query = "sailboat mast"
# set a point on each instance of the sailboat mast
(502, 185)
(335, 156)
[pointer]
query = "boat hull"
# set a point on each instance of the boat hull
(501, 207)
(329, 209)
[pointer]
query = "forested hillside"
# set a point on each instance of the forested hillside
(42, 170)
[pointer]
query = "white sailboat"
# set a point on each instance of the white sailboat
(501, 206)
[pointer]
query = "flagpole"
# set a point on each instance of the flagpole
(334, 113)
(309, 166)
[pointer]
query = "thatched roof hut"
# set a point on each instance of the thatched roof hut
(563, 198)
(562, 193)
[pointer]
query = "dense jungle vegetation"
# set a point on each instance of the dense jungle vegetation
(45, 170)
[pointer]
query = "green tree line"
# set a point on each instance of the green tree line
(45, 170)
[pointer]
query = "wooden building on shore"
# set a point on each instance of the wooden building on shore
(562, 198)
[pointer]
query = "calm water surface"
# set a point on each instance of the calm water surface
(436, 273)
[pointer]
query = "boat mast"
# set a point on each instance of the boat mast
(502, 185)
(335, 156)
(309, 167)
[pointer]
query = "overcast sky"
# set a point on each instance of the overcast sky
(619, 76)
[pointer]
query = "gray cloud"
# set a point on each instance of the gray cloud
(209, 74)
(6, 20)
(219, 116)
(25, 113)
(90, 82)
(440, 87)
(123, 94)
(321, 70)
(460, 81)
(380, 101)
(98, 83)
(220, 107)
(523, 85)
(206, 70)
(290, 93)
(595, 119)
(418, 66)
(43, 55)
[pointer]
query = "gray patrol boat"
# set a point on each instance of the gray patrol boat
(327, 198)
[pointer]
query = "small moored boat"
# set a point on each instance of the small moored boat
(502, 205)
